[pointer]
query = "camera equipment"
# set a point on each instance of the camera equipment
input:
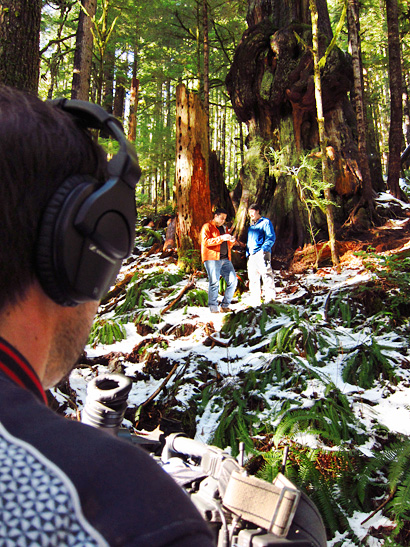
(243, 511)
(106, 401)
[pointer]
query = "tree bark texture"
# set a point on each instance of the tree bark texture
(353, 24)
(373, 142)
(135, 85)
(283, 13)
(396, 106)
(219, 192)
(321, 129)
(108, 83)
(285, 207)
(83, 52)
(206, 61)
(119, 97)
(271, 81)
(19, 43)
(192, 193)
(406, 108)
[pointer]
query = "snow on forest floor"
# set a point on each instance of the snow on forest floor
(392, 411)
(226, 360)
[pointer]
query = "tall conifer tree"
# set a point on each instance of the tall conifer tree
(19, 43)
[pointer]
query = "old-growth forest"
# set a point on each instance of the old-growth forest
(304, 108)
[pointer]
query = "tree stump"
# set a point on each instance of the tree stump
(192, 191)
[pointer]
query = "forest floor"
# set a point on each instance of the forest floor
(225, 378)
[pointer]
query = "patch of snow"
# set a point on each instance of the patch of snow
(361, 529)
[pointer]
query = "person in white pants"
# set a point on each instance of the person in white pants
(261, 237)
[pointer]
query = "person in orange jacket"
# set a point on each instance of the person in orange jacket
(216, 245)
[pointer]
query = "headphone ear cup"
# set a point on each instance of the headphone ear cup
(63, 205)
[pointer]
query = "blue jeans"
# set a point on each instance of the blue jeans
(216, 269)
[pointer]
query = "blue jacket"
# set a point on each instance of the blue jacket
(261, 236)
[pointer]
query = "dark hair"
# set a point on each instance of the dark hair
(220, 211)
(255, 207)
(40, 146)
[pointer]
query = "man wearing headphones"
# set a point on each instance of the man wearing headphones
(67, 223)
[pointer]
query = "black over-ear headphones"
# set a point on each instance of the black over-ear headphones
(88, 228)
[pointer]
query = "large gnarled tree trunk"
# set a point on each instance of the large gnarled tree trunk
(272, 90)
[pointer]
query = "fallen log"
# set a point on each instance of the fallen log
(118, 289)
(162, 385)
(215, 342)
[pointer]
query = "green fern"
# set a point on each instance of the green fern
(151, 236)
(262, 321)
(189, 260)
(330, 419)
(137, 292)
(196, 297)
(394, 464)
(342, 307)
(237, 325)
(272, 464)
(393, 274)
(106, 331)
(302, 338)
(234, 427)
(305, 467)
(366, 363)
(237, 421)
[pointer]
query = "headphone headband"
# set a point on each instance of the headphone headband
(88, 115)
(88, 228)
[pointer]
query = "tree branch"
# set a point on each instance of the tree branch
(221, 42)
(187, 30)
(188, 286)
(162, 385)
(56, 41)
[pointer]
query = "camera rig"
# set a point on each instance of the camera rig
(242, 510)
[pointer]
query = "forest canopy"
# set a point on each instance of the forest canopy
(139, 52)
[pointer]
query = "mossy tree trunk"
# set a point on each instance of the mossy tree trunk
(272, 90)
(83, 51)
(396, 105)
(321, 129)
(19, 43)
(353, 24)
(285, 207)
